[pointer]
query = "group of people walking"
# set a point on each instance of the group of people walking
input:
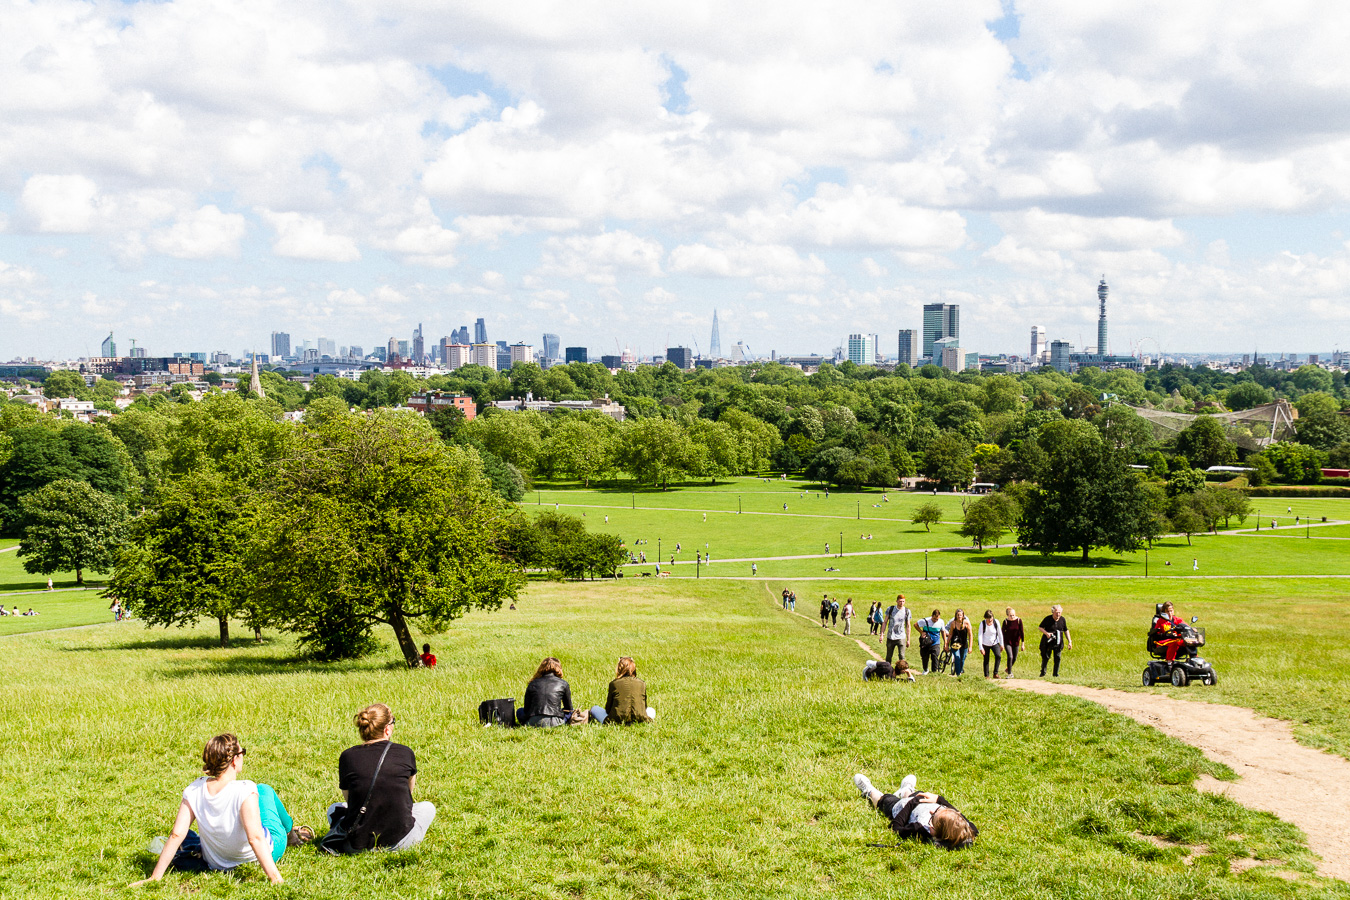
(999, 642)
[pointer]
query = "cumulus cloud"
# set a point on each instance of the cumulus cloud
(601, 258)
(305, 237)
(202, 234)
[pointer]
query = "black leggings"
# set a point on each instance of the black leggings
(997, 653)
(1012, 656)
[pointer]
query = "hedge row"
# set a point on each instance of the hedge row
(1290, 490)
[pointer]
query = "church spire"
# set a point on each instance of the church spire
(254, 382)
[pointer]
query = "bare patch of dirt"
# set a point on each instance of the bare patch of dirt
(1310, 788)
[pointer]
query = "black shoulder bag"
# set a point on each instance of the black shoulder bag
(337, 840)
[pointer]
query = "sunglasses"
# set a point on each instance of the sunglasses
(242, 751)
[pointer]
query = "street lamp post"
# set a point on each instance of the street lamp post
(925, 565)
(738, 504)
(1146, 563)
(860, 510)
(841, 545)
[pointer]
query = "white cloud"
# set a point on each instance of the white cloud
(63, 204)
(202, 234)
(305, 237)
(601, 258)
(743, 260)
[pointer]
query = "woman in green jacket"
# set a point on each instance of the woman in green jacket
(627, 699)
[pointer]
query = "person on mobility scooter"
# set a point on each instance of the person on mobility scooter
(1173, 644)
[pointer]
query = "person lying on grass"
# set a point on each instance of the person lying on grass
(238, 821)
(921, 816)
(626, 703)
(874, 670)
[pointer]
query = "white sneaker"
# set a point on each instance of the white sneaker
(907, 785)
(863, 784)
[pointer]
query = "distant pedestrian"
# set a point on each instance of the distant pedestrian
(1014, 637)
(792, 601)
(827, 547)
(784, 507)
(786, 592)
(848, 616)
(754, 570)
(897, 623)
(677, 547)
(991, 641)
(49, 584)
(834, 612)
(825, 611)
(606, 520)
(705, 517)
(1195, 565)
(672, 559)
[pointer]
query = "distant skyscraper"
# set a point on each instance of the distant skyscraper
(954, 358)
(576, 354)
(862, 350)
(480, 332)
(418, 347)
(327, 347)
(403, 350)
(281, 345)
(1037, 343)
(109, 347)
(715, 345)
(503, 356)
(909, 347)
(682, 357)
(391, 349)
(521, 353)
(1059, 355)
(460, 335)
(1102, 290)
(551, 345)
(354, 352)
(940, 320)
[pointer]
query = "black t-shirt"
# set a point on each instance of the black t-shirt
(1056, 629)
(389, 810)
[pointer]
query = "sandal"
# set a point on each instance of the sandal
(302, 834)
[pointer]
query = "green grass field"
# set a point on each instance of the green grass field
(742, 787)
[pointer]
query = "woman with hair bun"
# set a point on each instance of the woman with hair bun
(238, 821)
(379, 775)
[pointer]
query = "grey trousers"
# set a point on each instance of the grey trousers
(423, 815)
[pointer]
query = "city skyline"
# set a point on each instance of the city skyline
(648, 167)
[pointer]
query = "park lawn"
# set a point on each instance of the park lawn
(1218, 555)
(65, 608)
(1269, 641)
(14, 578)
(1338, 531)
(741, 788)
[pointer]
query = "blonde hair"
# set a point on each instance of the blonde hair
(218, 753)
(372, 721)
(548, 666)
(951, 828)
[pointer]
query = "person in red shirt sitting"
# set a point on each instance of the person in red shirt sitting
(428, 659)
(1165, 636)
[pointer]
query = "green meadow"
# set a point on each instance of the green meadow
(742, 787)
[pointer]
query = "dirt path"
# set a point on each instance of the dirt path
(1301, 785)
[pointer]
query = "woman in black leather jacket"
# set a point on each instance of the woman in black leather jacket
(548, 698)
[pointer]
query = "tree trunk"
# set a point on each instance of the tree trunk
(79, 576)
(1188, 539)
(1085, 553)
(224, 631)
(405, 641)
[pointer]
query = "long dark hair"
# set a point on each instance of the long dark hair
(549, 666)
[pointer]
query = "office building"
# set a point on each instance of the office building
(480, 332)
(682, 357)
(355, 352)
(521, 353)
(1038, 344)
(940, 320)
(419, 355)
(381, 353)
(576, 354)
(485, 355)
(460, 335)
(327, 347)
(613, 361)
(109, 347)
(954, 358)
(391, 349)
(715, 345)
(909, 347)
(404, 350)
(862, 350)
(455, 355)
(1060, 351)
(281, 345)
(551, 347)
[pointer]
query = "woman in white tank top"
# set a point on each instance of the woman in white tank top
(238, 821)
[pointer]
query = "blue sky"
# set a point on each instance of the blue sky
(195, 177)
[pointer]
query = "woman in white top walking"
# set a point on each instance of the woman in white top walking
(238, 821)
(991, 641)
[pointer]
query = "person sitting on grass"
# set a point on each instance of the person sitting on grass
(626, 703)
(921, 816)
(428, 658)
(30, 612)
(548, 697)
(238, 821)
(385, 816)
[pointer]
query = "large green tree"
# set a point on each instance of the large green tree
(1087, 495)
(373, 521)
(1205, 444)
(70, 525)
